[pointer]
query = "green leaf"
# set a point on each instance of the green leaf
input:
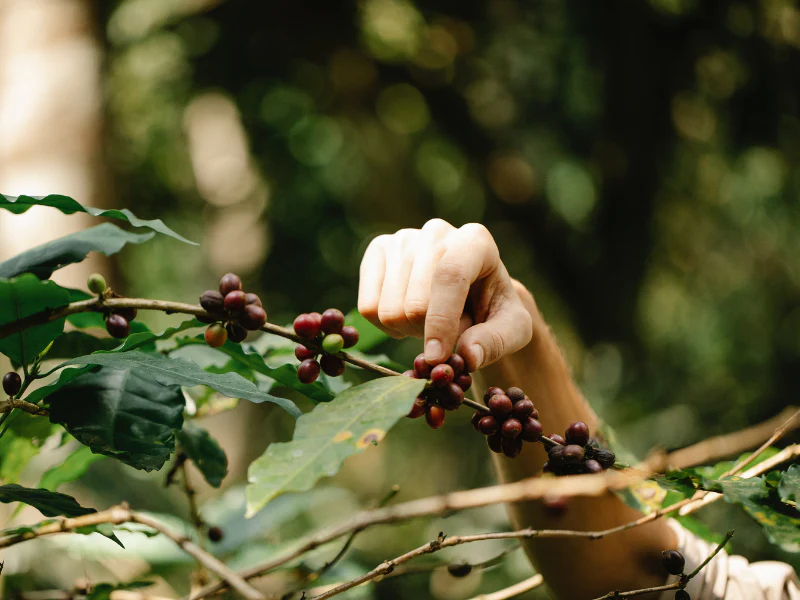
(50, 504)
(24, 296)
(123, 413)
(369, 336)
(19, 204)
(204, 452)
(148, 338)
(182, 372)
(327, 435)
(78, 343)
(102, 591)
(789, 486)
(65, 377)
(15, 454)
(43, 260)
(72, 469)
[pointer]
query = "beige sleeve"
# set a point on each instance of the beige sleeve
(732, 577)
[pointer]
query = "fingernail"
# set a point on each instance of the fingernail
(477, 352)
(433, 350)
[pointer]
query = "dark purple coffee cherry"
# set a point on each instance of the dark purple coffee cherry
(573, 454)
(129, 314)
(522, 409)
(235, 301)
(476, 418)
(592, 466)
(511, 428)
(229, 283)
(488, 425)
(500, 405)
(12, 383)
(422, 368)
(307, 326)
(531, 430)
(212, 301)
(495, 442)
(332, 321)
(457, 362)
(459, 570)
(535, 413)
(236, 333)
(515, 393)
(673, 562)
(349, 335)
(593, 444)
(606, 458)
(682, 595)
(302, 353)
(464, 381)
(451, 397)
(118, 326)
(435, 416)
(206, 320)
(577, 433)
(441, 375)
(511, 447)
(419, 407)
(555, 456)
(216, 335)
(333, 366)
(557, 439)
(492, 391)
(251, 298)
(253, 317)
(215, 534)
(308, 371)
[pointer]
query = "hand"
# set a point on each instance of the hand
(447, 285)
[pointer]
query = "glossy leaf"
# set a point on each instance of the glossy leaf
(72, 469)
(789, 486)
(205, 452)
(326, 436)
(50, 504)
(78, 343)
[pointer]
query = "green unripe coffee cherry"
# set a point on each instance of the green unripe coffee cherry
(96, 283)
(332, 343)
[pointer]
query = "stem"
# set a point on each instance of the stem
(6, 406)
(515, 590)
(197, 521)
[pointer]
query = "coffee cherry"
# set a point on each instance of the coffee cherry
(206, 320)
(464, 381)
(592, 466)
(12, 383)
(522, 409)
(511, 447)
(593, 443)
(332, 321)
(457, 362)
(606, 458)
(235, 301)
(215, 534)
(441, 375)
(333, 366)
(515, 393)
(419, 408)
(476, 418)
(673, 562)
(535, 414)
(308, 371)
(422, 368)
(212, 301)
(531, 430)
(511, 428)
(492, 391)
(236, 333)
(495, 442)
(118, 326)
(129, 314)
(573, 454)
(459, 570)
(229, 283)
(682, 595)
(302, 353)
(451, 397)
(96, 283)
(500, 405)
(307, 326)
(332, 343)
(435, 416)
(253, 317)
(350, 336)
(555, 456)
(488, 425)
(251, 298)
(577, 433)
(410, 373)
(216, 335)
(557, 438)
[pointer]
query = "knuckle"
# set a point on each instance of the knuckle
(368, 310)
(450, 274)
(438, 323)
(416, 310)
(495, 347)
(392, 316)
(437, 225)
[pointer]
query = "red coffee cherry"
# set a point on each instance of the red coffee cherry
(535, 414)
(577, 433)
(253, 317)
(118, 326)
(236, 333)
(495, 442)
(500, 405)
(457, 362)
(673, 562)
(464, 381)
(476, 418)
(592, 466)
(522, 409)
(332, 320)
(216, 335)
(515, 393)
(451, 397)
(307, 326)
(419, 408)
(422, 368)
(129, 314)
(235, 301)
(229, 283)
(435, 416)
(557, 439)
(302, 353)
(511, 447)
(250, 298)
(531, 430)
(441, 375)
(410, 373)
(488, 425)
(350, 336)
(12, 383)
(212, 301)
(511, 428)
(492, 391)
(332, 366)
(308, 371)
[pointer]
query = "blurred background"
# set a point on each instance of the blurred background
(637, 162)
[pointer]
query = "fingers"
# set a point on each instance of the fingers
(399, 261)
(370, 283)
(430, 250)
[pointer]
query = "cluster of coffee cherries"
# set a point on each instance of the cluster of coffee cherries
(329, 335)
(118, 321)
(12, 383)
(674, 563)
(512, 420)
(235, 312)
(449, 381)
(577, 452)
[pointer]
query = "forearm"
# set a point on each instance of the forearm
(573, 568)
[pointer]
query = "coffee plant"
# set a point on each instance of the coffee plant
(126, 398)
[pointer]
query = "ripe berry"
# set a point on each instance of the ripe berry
(522, 409)
(129, 314)
(441, 375)
(457, 362)
(118, 326)
(500, 405)
(557, 439)
(236, 333)
(606, 458)
(96, 283)
(216, 335)
(253, 317)
(495, 443)
(573, 454)
(302, 353)
(212, 301)
(459, 570)
(673, 562)
(592, 466)
(332, 320)
(682, 595)
(476, 418)
(235, 301)
(464, 381)
(308, 371)
(229, 283)
(307, 326)
(511, 428)
(515, 393)
(488, 425)
(511, 447)
(350, 336)
(215, 534)
(577, 433)
(492, 391)
(333, 366)
(531, 430)
(422, 368)
(250, 298)
(332, 343)
(451, 397)
(12, 382)
(435, 416)
(410, 373)
(535, 413)
(419, 408)
(555, 456)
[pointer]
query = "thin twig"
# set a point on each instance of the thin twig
(196, 519)
(515, 590)
(779, 433)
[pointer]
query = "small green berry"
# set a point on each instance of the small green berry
(96, 283)
(332, 343)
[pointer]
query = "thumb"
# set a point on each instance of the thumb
(504, 332)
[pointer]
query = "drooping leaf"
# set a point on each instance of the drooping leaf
(78, 343)
(65, 377)
(182, 372)
(327, 435)
(72, 469)
(23, 296)
(19, 204)
(50, 504)
(789, 486)
(204, 452)
(123, 413)
(148, 338)
(15, 454)
(43, 260)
